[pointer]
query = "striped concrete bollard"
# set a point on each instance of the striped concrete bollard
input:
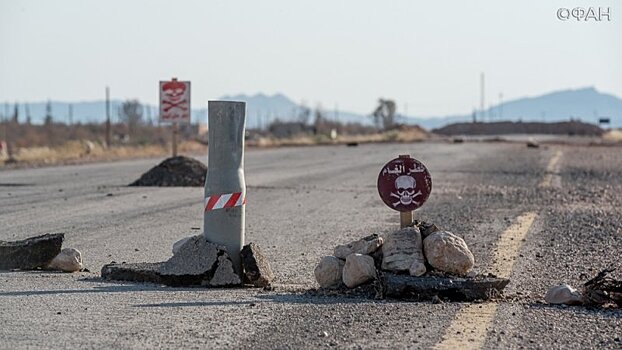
(225, 188)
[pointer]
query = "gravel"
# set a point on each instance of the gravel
(302, 202)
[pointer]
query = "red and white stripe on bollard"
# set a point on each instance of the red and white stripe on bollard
(220, 201)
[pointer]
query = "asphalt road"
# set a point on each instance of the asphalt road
(301, 203)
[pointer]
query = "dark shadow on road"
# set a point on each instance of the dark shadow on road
(111, 287)
(272, 298)
(12, 184)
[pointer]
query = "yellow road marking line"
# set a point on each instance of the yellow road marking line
(469, 328)
(509, 245)
(552, 170)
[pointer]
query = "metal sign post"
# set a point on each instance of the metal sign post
(225, 187)
(404, 184)
(175, 139)
(175, 105)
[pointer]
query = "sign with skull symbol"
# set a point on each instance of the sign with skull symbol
(175, 101)
(404, 184)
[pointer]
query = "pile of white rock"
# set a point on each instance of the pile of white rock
(404, 251)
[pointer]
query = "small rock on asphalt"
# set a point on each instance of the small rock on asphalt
(256, 266)
(448, 252)
(563, 294)
(68, 260)
(328, 273)
(358, 269)
(533, 144)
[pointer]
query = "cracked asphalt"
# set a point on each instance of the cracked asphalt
(303, 201)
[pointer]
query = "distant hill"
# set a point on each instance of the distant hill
(262, 109)
(585, 104)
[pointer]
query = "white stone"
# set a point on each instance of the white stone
(68, 260)
(366, 245)
(563, 294)
(358, 269)
(448, 252)
(329, 271)
(402, 249)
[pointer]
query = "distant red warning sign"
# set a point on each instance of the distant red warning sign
(175, 101)
(404, 184)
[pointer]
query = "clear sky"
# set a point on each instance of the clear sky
(427, 55)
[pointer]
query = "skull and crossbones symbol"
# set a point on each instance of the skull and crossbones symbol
(405, 186)
(175, 93)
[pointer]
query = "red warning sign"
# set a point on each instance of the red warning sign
(404, 184)
(175, 101)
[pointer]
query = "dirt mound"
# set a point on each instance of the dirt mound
(174, 171)
(501, 128)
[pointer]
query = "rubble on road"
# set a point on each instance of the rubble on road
(136, 272)
(195, 257)
(396, 265)
(180, 243)
(68, 260)
(401, 249)
(448, 252)
(366, 245)
(563, 294)
(601, 291)
(31, 253)
(358, 269)
(175, 171)
(450, 288)
(256, 267)
(224, 275)
(197, 262)
(329, 272)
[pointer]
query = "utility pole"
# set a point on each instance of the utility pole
(108, 131)
(28, 120)
(501, 105)
(70, 114)
(16, 114)
(481, 105)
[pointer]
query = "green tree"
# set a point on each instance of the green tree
(384, 114)
(131, 114)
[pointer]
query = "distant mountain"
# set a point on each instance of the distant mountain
(585, 104)
(262, 109)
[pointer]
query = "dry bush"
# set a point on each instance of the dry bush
(614, 135)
